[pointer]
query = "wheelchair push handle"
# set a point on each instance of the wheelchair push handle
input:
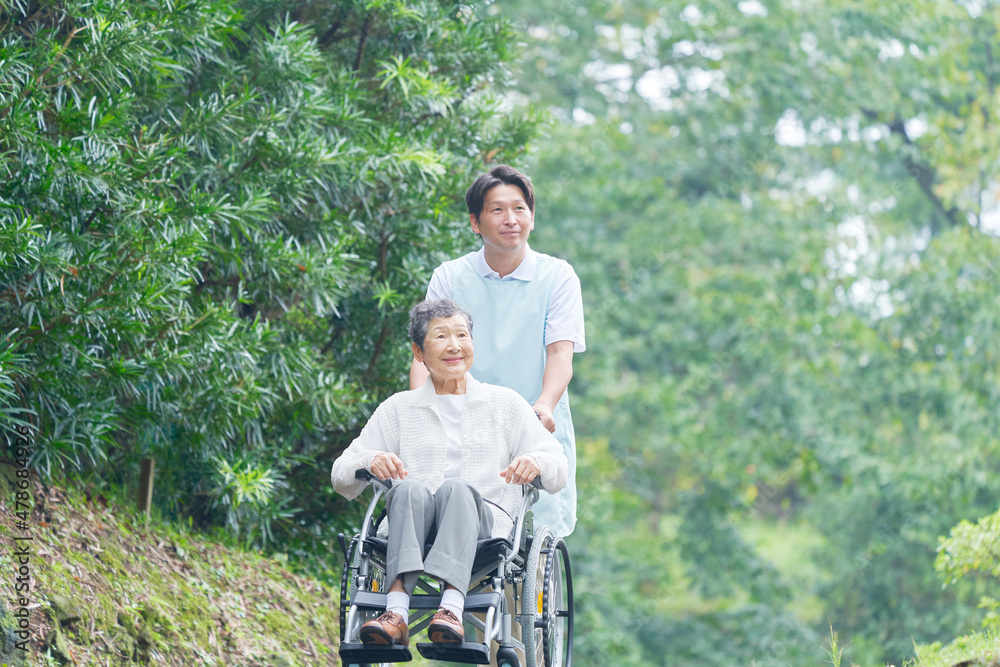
(361, 473)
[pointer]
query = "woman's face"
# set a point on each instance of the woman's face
(447, 349)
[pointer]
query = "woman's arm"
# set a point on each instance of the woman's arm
(534, 442)
(377, 437)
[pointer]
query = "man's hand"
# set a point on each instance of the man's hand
(522, 470)
(544, 413)
(388, 466)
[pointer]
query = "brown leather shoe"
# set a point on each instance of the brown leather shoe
(446, 628)
(389, 628)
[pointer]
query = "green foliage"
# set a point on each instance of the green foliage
(213, 219)
(834, 649)
(248, 495)
(970, 547)
(972, 649)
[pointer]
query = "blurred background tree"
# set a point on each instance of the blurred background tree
(784, 216)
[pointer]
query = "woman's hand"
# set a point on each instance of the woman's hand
(522, 470)
(387, 465)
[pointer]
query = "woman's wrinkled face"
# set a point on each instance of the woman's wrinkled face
(447, 349)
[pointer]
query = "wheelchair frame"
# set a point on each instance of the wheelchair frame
(528, 558)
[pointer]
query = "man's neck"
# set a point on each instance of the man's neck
(505, 263)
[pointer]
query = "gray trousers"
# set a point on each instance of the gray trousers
(453, 519)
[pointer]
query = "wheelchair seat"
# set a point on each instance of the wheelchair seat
(489, 550)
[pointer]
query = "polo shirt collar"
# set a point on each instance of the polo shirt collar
(525, 270)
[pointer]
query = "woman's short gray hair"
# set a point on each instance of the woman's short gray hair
(425, 311)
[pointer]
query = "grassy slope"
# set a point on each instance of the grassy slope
(156, 595)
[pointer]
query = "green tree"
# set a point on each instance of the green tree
(214, 219)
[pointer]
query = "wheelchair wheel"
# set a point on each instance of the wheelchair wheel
(531, 601)
(547, 603)
(374, 581)
(347, 584)
(507, 657)
(557, 603)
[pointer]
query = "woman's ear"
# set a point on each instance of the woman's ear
(418, 354)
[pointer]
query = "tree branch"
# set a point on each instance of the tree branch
(991, 88)
(924, 174)
(331, 32)
(101, 292)
(379, 344)
(90, 219)
(383, 251)
(231, 281)
(361, 43)
(925, 177)
(337, 330)
(43, 74)
(990, 80)
(59, 55)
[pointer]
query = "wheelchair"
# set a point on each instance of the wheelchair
(522, 582)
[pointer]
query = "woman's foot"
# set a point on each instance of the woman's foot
(446, 628)
(389, 628)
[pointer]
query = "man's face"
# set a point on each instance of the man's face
(505, 221)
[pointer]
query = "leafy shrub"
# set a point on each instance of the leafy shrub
(213, 219)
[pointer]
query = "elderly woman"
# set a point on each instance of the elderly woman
(459, 450)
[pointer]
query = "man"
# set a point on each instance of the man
(528, 310)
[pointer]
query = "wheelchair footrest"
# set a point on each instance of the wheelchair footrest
(361, 654)
(469, 653)
(473, 601)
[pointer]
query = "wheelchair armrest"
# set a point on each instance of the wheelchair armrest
(361, 473)
(530, 491)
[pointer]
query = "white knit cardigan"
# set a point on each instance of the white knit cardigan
(498, 425)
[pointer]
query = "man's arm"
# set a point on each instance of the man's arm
(419, 374)
(438, 288)
(555, 379)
